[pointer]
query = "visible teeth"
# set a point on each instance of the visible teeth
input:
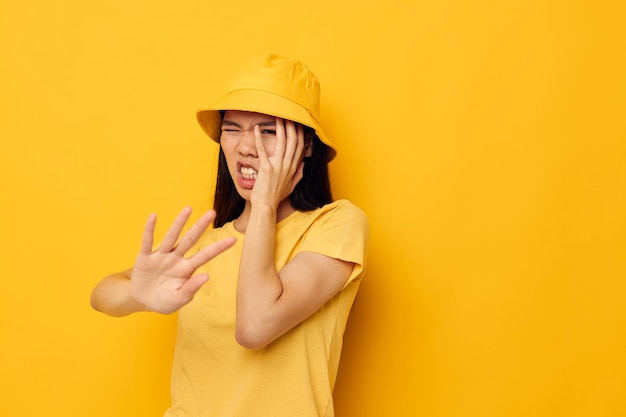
(248, 173)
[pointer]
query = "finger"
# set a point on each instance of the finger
(191, 237)
(298, 175)
(294, 157)
(192, 285)
(300, 145)
(206, 254)
(279, 149)
(291, 144)
(258, 141)
(148, 235)
(172, 235)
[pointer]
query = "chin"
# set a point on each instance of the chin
(244, 193)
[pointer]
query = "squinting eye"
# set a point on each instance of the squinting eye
(268, 132)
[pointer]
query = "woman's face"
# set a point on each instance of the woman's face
(238, 143)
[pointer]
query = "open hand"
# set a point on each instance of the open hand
(163, 280)
(279, 173)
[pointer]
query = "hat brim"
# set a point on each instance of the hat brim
(258, 101)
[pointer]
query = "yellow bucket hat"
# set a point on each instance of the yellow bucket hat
(274, 85)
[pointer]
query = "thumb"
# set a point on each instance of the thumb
(192, 285)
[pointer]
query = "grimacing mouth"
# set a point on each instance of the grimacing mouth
(247, 172)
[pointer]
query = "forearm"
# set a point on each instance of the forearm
(112, 296)
(259, 286)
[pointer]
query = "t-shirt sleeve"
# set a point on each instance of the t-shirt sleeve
(341, 233)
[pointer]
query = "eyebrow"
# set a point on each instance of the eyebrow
(260, 124)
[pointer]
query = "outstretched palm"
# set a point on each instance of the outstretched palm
(163, 280)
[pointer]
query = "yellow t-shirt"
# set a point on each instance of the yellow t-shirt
(294, 376)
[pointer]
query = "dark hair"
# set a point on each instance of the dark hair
(312, 191)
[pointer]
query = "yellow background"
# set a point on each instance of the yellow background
(485, 140)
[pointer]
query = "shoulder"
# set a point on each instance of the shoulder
(341, 204)
(340, 230)
(340, 221)
(342, 211)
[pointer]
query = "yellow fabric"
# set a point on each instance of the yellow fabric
(274, 85)
(294, 376)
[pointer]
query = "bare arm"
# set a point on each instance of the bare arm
(112, 295)
(271, 302)
(162, 280)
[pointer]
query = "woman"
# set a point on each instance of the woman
(263, 336)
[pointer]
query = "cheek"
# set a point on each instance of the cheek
(228, 153)
(269, 146)
(228, 146)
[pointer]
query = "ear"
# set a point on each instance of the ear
(308, 146)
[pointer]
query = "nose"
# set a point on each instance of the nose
(247, 145)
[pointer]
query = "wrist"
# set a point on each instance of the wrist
(263, 209)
